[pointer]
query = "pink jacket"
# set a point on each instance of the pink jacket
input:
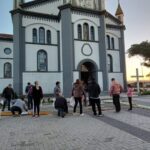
(130, 92)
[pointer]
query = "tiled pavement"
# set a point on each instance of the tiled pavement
(115, 131)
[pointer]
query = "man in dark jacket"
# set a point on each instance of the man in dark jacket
(94, 92)
(61, 105)
(8, 94)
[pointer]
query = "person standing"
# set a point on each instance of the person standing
(57, 89)
(37, 94)
(94, 91)
(77, 93)
(130, 94)
(28, 91)
(115, 91)
(8, 94)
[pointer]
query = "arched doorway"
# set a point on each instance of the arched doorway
(87, 71)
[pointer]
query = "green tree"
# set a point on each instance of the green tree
(143, 50)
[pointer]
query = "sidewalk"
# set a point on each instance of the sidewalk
(115, 131)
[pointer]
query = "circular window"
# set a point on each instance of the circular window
(7, 51)
(86, 50)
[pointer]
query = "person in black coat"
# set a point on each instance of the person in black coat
(61, 105)
(94, 91)
(8, 94)
(37, 95)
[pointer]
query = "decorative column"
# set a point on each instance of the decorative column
(102, 52)
(67, 49)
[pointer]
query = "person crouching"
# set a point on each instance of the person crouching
(61, 105)
(18, 106)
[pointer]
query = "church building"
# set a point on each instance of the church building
(62, 40)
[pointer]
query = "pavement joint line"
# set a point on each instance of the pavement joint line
(135, 131)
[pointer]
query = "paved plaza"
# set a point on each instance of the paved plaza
(127, 130)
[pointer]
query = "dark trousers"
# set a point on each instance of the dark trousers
(61, 112)
(37, 106)
(116, 102)
(30, 102)
(6, 101)
(130, 102)
(16, 109)
(78, 100)
(95, 102)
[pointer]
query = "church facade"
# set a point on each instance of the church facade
(62, 40)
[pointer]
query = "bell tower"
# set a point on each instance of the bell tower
(119, 13)
(101, 5)
(16, 3)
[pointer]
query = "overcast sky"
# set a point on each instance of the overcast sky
(136, 19)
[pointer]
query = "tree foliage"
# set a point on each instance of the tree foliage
(143, 50)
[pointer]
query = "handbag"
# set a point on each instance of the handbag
(72, 101)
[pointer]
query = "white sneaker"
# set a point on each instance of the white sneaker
(101, 115)
(82, 114)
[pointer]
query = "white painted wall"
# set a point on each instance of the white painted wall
(75, 75)
(91, 19)
(81, 22)
(117, 76)
(113, 34)
(46, 80)
(51, 26)
(3, 59)
(110, 21)
(100, 80)
(4, 45)
(116, 60)
(31, 56)
(47, 7)
(4, 83)
(79, 56)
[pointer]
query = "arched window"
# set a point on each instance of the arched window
(7, 70)
(48, 37)
(108, 42)
(110, 63)
(41, 60)
(112, 43)
(92, 34)
(41, 35)
(79, 32)
(34, 35)
(86, 31)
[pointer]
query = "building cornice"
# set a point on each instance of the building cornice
(34, 14)
(33, 3)
(81, 9)
(110, 26)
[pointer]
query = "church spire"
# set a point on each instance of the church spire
(17, 3)
(119, 12)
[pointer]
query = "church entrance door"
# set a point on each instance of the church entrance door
(87, 71)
